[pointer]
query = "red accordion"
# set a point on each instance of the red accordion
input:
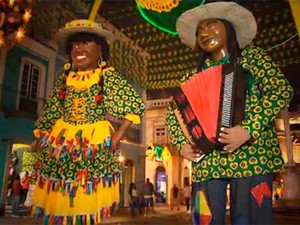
(211, 99)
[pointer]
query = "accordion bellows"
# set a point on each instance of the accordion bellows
(208, 100)
(203, 93)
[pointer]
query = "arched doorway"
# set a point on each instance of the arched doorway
(21, 160)
(127, 179)
(161, 184)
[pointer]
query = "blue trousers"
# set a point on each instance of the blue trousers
(135, 204)
(244, 208)
(15, 205)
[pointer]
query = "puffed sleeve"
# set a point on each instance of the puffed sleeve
(177, 136)
(121, 100)
(52, 110)
(275, 90)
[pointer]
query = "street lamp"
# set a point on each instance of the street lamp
(121, 158)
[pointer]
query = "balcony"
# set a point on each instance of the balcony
(158, 103)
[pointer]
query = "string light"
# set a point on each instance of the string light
(20, 34)
(1, 40)
(27, 15)
(14, 17)
(11, 3)
(286, 41)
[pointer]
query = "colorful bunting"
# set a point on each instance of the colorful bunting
(153, 55)
(158, 153)
(166, 155)
(150, 151)
(162, 154)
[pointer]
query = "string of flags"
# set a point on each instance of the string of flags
(159, 153)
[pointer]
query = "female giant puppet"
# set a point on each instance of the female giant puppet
(78, 170)
(243, 155)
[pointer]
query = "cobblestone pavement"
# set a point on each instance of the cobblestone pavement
(162, 216)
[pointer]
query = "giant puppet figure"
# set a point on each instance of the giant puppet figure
(78, 169)
(243, 153)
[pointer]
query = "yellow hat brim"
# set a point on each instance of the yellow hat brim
(65, 33)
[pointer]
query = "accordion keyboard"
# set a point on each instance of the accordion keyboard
(226, 116)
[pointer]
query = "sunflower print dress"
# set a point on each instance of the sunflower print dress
(77, 175)
(268, 92)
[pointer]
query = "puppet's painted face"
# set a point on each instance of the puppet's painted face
(85, 55)
(211, 36)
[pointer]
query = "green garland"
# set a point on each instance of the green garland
(166, 21)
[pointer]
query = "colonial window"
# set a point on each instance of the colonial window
(29, 87)
(160, 134)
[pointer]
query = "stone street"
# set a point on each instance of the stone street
(162, 216)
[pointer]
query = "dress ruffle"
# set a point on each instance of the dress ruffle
(85, 135)
(61, 205)
(91, 191)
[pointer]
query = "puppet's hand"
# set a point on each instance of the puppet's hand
(189, 152)
(37, 145)
(115, 140)
(233, 137)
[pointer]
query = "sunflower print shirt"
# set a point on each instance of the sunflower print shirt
(84, 100)
(77, 106)
(267, 93)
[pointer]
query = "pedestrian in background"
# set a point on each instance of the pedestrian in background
(148, 192)
(187, 196)
(134, 199)
(16, 196)
(25, 187)
(175, 197)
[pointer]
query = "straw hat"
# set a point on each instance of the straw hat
(242, 20)
(83, 25)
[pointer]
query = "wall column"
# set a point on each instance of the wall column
(291, 175)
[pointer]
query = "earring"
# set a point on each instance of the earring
(100, 64)
(67, 66)
(73, 67)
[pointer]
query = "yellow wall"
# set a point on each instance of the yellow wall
(296, 150)
(175, 167)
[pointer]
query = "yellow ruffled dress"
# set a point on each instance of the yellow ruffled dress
(77, 175)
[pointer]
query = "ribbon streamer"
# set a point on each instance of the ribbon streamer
(95, 9)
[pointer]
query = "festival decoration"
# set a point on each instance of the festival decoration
(14, 16)
(166, 155)
(159, 153)
(161, 59)
(158, 5)
(163, 14)
(150, 151)
(129, 60)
